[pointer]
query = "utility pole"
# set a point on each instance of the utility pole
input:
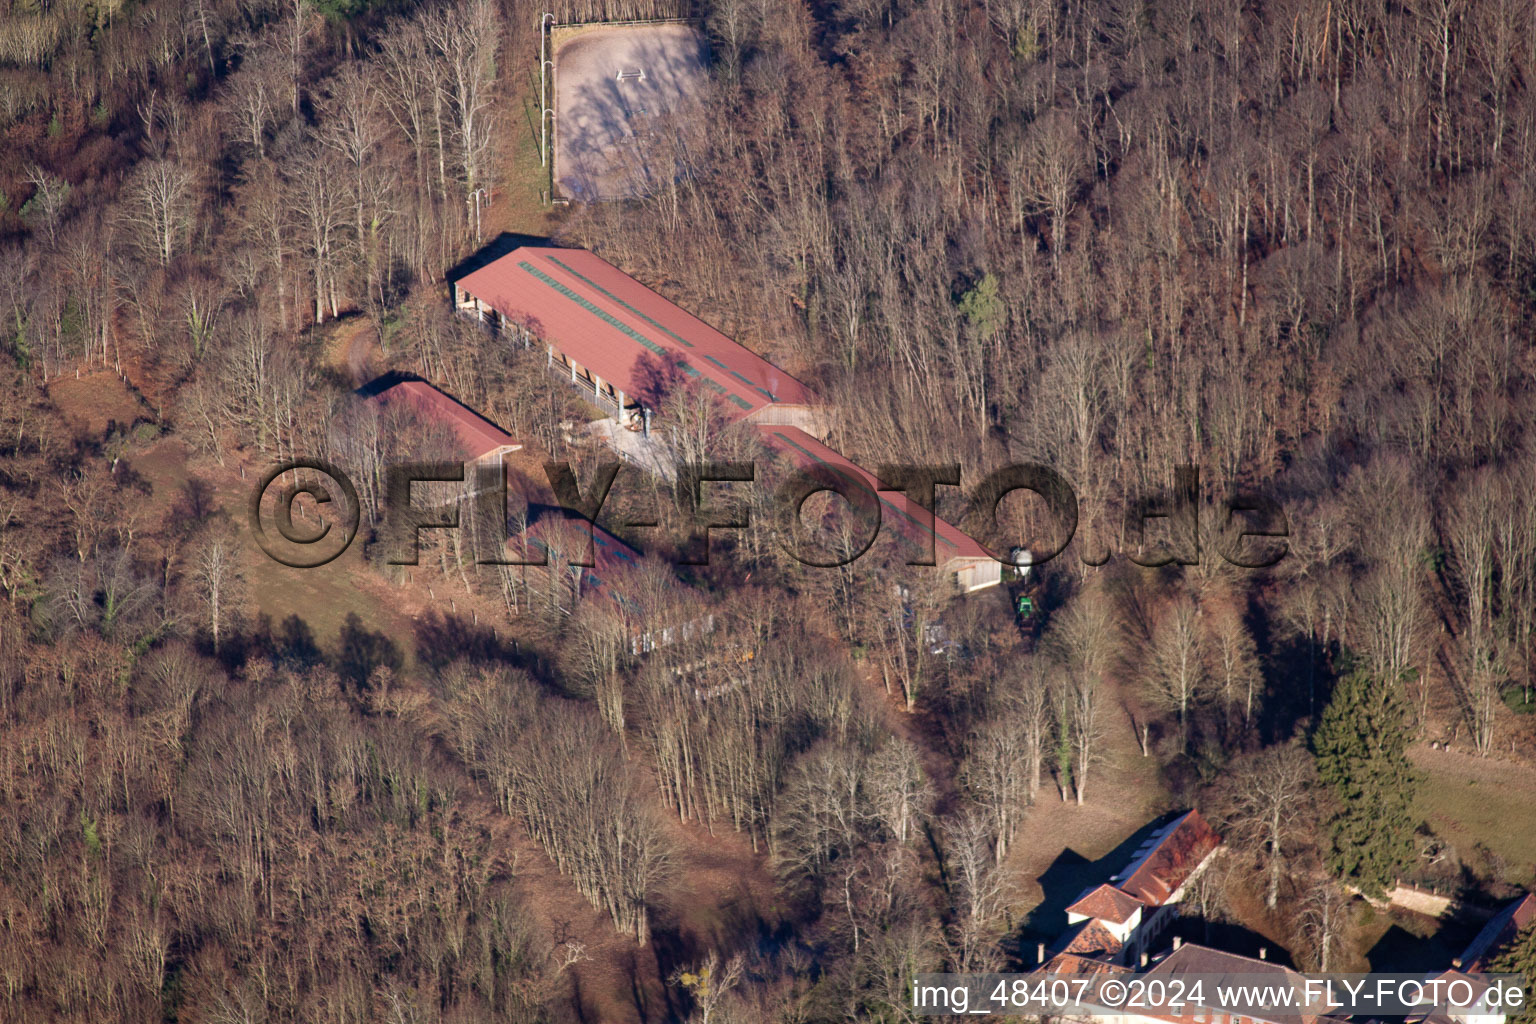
(544, 63)
(479, 198)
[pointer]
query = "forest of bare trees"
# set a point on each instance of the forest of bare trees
(1289, 242)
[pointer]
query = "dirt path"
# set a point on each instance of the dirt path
(360, 352)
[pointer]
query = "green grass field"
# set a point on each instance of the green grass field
(1469, 800)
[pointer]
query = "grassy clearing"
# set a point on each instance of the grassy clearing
(1469, 800)
(1063, 848)
(90, 401)
(525, 181)
(323, 597)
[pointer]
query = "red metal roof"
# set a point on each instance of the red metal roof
(605, 320)
(896, 509)
(611, 557)
(477, 435)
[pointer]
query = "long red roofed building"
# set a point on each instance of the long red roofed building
(600, 328)
(597, 323)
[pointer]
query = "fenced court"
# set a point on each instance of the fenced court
(615, 87)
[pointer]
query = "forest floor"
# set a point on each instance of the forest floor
(723, 893)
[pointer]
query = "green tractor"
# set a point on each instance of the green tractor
(1024, 602)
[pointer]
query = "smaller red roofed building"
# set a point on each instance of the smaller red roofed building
(1119, 921)
(1106, 903)
(479, 440)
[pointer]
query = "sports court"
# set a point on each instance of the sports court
(618, 91)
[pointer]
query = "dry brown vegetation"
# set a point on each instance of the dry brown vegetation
(1291, 242)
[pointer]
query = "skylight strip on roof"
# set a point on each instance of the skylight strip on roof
(587, 280)
(918, 524)
(586, 304)
(614, 321)
(884, 501)
(840, 471)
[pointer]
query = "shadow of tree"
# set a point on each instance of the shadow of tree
(445, 638)
(1065, 880)
(360, 651)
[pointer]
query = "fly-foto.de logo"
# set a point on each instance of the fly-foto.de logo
(306, 512)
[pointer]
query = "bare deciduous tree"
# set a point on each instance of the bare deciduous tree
(158, 208)
(1471, 527)
(979, 892)
(219, 580)
(1178, 674)
(466, 38)
(1269, 807)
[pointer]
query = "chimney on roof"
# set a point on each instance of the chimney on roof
(1177, 941)
(1040, 953)
(1263, 952)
